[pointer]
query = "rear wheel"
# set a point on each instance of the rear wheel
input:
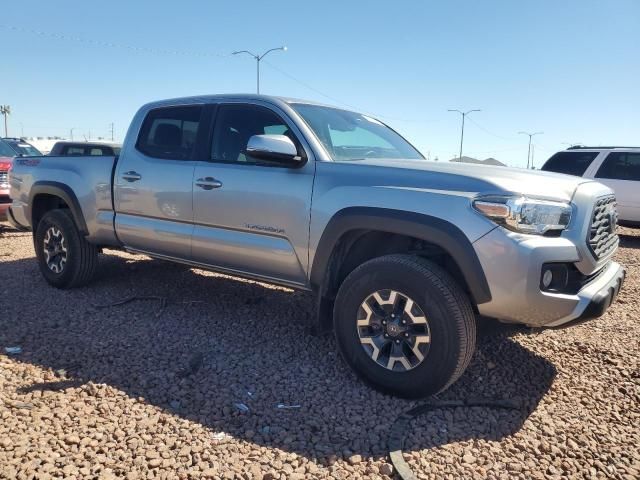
(404, 325)
(65, 258)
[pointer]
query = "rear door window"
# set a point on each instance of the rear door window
(620, 166)
(170, 132)
(570, 163)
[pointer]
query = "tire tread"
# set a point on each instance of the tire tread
(453, 296)
(85, 265)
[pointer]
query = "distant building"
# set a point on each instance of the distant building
(486, 161)
(45, 144)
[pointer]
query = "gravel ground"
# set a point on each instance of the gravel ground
(151, 388)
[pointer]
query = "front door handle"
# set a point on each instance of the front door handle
(131, 176)
(208, 183)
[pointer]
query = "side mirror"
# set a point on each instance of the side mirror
(273, 148)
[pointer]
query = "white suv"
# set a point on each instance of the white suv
(616, 167)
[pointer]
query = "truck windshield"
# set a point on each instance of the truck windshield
(353, 136)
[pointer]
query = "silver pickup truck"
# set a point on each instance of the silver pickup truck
(401, 253)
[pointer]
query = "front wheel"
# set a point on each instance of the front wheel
(65, 258)
(404, 325)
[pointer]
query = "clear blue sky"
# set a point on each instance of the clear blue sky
(569, 68)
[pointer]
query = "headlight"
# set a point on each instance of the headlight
(525, 215)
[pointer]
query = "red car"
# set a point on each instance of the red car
(6, 157)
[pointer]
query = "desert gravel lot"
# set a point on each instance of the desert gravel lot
(148, 389)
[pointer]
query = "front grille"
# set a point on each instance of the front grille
(603, 238)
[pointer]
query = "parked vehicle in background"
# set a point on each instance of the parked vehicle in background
(21, 147)
(400, 252)
(66, 147)
(6, 157)
(616, 167)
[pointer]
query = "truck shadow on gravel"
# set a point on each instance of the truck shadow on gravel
(226, 353)
(628, 240)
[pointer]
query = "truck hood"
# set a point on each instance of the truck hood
(478, 179)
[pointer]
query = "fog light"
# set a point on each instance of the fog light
(554, 277)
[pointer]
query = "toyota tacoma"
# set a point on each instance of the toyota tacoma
(401, 253)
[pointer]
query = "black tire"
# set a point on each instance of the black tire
(81, 256)
(450, 319)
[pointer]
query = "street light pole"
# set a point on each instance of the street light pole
(257, 59)
(529, 150)
(464, 114)
(5, 110)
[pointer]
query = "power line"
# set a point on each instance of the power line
(204, 54)
(489, 132)
(192, 53)
(306, 85)
(340, 102)
(86, 41)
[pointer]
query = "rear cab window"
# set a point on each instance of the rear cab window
(170, 132)
(570, 163)
(73, 151)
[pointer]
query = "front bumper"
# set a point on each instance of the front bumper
(596, 297)
(512, 264)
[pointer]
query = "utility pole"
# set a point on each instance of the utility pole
(71, 133)
(112, 131)
(6, 111)
(529, 149)
(257, 59)
(464, 114)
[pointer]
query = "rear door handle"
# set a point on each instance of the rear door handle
(208, 183)
(131, 176)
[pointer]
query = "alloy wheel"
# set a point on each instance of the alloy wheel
(393, 330)
(55, 249)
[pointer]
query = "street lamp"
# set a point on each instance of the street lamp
(464, 114)
(258, 58)
(71, 132)
(529, 150)
(6, 111)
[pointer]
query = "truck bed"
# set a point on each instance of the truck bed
(88, 178)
